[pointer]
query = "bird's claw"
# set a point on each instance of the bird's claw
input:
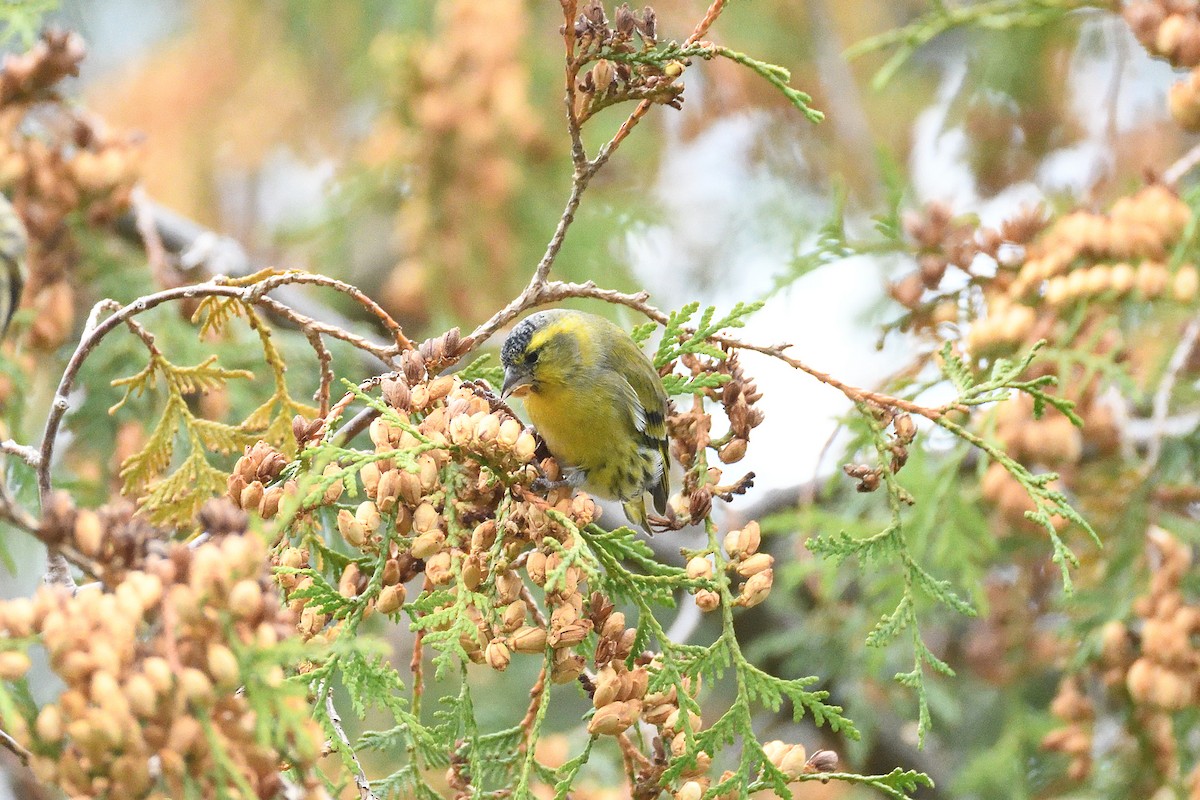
(664, 524)
(542, 484)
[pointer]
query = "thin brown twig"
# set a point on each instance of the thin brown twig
(146, 336)
(354, 426)
(335, 721)
(292, 277)
(15, 747)
(710, 16)
(306, 324)
(93, 317)
(533, 607)
(1182, 166)
(571, 74)
(535, 701)
(635, 760)
(852, 393)
(325, 362)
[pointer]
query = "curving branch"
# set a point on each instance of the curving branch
(252, 293)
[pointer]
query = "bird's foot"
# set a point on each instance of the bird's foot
(542, 484)
(664, 524)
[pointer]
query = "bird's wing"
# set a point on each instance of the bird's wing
(651, 414)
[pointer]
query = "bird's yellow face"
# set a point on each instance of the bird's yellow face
(543, 352)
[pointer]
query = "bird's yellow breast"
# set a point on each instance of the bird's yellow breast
(581, 428)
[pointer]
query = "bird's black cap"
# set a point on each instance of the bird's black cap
(513, 350)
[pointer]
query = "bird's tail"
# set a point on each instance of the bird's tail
(635, 510)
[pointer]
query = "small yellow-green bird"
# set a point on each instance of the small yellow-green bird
(598, 403)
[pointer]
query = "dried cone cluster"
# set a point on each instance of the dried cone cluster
(746, 562)
(1166, 676)
(738, 397)
(154, 669)
(253, 485)
(609, 81)
(1031, 273)
(1089, 255)
(1101, 258)
(1075, 738)
(51, 179)
(941, 241)
(790, 759)
(1170, 29)
(618, 692)
(1152, 664)
(1086, 255)
(111, 536)
(690, 432)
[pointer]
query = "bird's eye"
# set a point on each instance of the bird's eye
(531, 357)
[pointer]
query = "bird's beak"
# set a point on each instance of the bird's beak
(517, 383)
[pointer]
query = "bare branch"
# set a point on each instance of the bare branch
(14, 512)
(262, 287)
(22, 451)
(58, 571)
(354, 426)
(13, 746)
(1182, 166)
(325, 360)
(335, 720)
(309, 325)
